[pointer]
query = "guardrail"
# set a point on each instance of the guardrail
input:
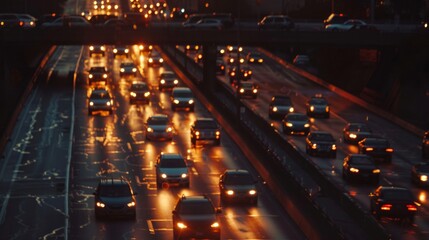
(285, 163)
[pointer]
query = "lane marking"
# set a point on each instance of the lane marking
(150, 227)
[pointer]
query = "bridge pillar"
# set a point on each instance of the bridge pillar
(209, 69)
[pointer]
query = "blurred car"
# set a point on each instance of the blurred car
(280, 22)
(205, 23)
(360, 167)
(420, 174)
(121, 51)
(354, 132)
(247, 89)
(168, 79)
(296, 123)
(235, 59)
(100, 19)
(237, 186)
(196, 217)
(244, 74)
(318, 106)
(344, 26)
(139, 92)
(171, 169)
(114, 197)
(301, 60)
(425, 145)
(67, 21)
(198, 57)
(220, 67)
(154, 59)
(234, 49)
(98, 75)
(97, 50)
(145, 48)
(10, 20)
(191, 48)
(127, 69)
(205, 129)
(47, 18)
(100, 100)
(254, 57)
(335, 18)
(376, 147)
(280, 106)
(27, 20)
(320, 143)
(182, 98)
(159, 127)
(393, 202)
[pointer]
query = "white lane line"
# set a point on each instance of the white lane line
(150, 227)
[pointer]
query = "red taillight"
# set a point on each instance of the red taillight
(411, 207)
(386, 207)
(389, 149)
(21, 24)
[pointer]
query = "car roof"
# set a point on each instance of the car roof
(181, 89)
(171, 156)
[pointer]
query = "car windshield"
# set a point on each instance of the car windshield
(157, 121)
(114, 191)
(182, 94)
(238, 179)
(98, 69)
(168, 75)
(397, 194)
(196, 208)
(139, 87)
(318, 101)
(282, 101)
(100, 95)
(323, 137)
(377, 142)
(361, 160)
(130, 64)
(172, 163)
(205, 124)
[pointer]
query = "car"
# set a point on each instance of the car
(321, 143)
(98, 75)
(425, 145)
(100, 100)
(296, 123)
(182, 98)
(120, 51)
(145, 48)
(196, 217)
(198, 57)
(67, 22)
(301, 60)
(420, 174)
(127, 69)
(335, 18)
(154, 59)
(254, 57)
(139, 92)
(220, 67)
(191, 48)
(205, 129)
(159, 127)
(234, 49)
(360, 167)
(234, 58)
(376, 147)
(237, 185)
(100, 19)
(97, 50)
(193, 19)
(393, 202)
(168, 80)
(344, 26)
(318, 106)
(10, 20)
(116, 23)
(171, 169)
(280, 22)
(114, 197)
(280, 106)
(354, 132)
(205, 23)
(27, 20)
(247, 89)
(242, 73)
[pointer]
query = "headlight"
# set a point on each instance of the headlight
(230, 192)
(131, 204)
(289, 124)
(217, 133)
(252, 192)
(169, 129)
(355, 170)
(108, 103)
(352, 136)
(275, 109)
(100, 204)
(164, 175)
(176, 81)
(126, 50)
(115, 50)
(311, 108)
(91, 48)
(307, 125)
(314, 146)
(134, 69)
(261, 60)
(369, 149)
(122, 70)
(149, 129)
(327, 109)
(102, 48)
(150, 60)
(191, 101)
(215, 225)
(423, 178)
(176, 101)
(197, 133)
(184, 175)
(146, 94)
(133, 94)
(291, 109)
(162, 81)
(161, 60)
(376, 171)
(91, 76)
(181, 225)
(252, 60)
(241, 90)
(105, 75)
(334, 147)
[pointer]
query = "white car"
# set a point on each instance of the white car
(68, 21)
(346, 26)
(206, 23)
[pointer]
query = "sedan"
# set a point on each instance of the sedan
(362, 167)
(121, 51)
(420, 174)
(168, 79)
(254, 57)
(171, 169)
(296, 123)
(100, 100)
(159, 127)
(376, 147)
(154, 59)
(247, 89)
(393, 202)
(206, 23)
(127, 69)
(280, 22)
(67, 21)
(280, 106)
(139, 92)
(238, 185)
(98, 75)
(346, 26)
(318, 106)
(319, 143)
(182, 98)
(354, 132)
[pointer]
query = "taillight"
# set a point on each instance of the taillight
(386, 207)
(411, 207)
(389, 149)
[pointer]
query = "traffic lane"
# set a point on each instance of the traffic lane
(153, 149)
(34, 167)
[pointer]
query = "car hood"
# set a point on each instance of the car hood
(116, 201)
(183, 99)
(199, 218)
(173, 171)
(158, 127)
(97, 100)
(240, 187)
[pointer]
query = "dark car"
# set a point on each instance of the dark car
(238, 186)
(318, 106)
(360, 167)
(425, 145)
(97, 50)
(98, 75)
(127, 69)
(114, 197)
(247, 89)
(280, 106)
(196, 217)
(121, 51)
(100, 100)
(393, 202)
(354, 132)
(168, 80)
(280, 22)
(244, 73)
(420, 174)
(182, 98)
(159, 127)
(335, 18)
(171, 169)
(254, 57)
(320, 143)
(296, 123)
(376, 147)
(205, 129)
(139, 92)
(154, 59)
(220, 67)
(100, 19)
